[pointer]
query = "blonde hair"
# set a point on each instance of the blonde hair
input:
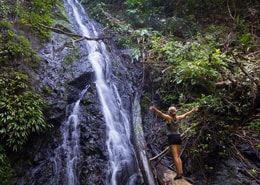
(172, 110)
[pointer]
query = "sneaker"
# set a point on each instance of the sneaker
(178, 177)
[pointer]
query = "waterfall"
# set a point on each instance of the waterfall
(122, 164)
(70, 148)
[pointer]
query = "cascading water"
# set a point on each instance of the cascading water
(122, 164)
(70, 147)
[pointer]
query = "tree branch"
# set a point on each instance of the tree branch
(230, 14)
(244, 71)
(81, 37)
(167, 148)
(160, 154)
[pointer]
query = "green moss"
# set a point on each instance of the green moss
(144, 102)
(73, 55)
(33, 14)
(47, 90)
(14, 48)
(6, 171)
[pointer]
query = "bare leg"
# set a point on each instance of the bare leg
(176, 151)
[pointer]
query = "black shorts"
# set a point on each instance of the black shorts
(174, 139)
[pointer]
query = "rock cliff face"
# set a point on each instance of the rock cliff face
(63, 75)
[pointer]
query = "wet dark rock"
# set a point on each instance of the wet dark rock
(61, 80)
(230, 171)
(252, 154)
(83, 80)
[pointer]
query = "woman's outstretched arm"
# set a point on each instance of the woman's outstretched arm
(160, 113)
(195, 109)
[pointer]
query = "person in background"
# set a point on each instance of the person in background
(173, 134)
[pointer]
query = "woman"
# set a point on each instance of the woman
(174, 138)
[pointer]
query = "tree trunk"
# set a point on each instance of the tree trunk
(140, 144)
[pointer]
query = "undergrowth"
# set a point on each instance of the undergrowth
(194, 60)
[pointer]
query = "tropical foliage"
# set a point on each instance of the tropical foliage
(191, 57)
(21, 108)
(194, 60)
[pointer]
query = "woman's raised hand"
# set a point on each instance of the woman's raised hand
(195, 109)
(152, 107)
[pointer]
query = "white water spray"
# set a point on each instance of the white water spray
(70, 148)
(122, 159)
